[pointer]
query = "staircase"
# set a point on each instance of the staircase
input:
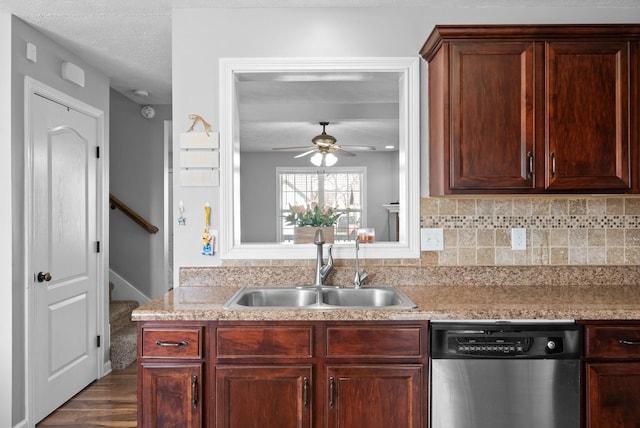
(123, 333)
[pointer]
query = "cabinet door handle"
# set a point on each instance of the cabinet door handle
(305, 392)
(171, 344)
(194, 391)
(530, 164)
(629, 342)
(332, 391)
(553, 165)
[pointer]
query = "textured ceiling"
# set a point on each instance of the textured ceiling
(101, 31)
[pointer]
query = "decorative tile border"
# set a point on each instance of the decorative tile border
(533, 222)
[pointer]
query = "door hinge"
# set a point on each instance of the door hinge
(97, 246)
(98, 152)
(98, 341)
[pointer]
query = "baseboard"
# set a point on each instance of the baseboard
(106, 368)
(123, 290)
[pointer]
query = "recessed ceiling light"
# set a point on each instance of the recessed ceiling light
(389, 147)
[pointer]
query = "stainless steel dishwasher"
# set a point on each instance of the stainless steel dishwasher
(505, 374)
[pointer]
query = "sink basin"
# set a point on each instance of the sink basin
(319, 298)
(273, 297)
(364, 297)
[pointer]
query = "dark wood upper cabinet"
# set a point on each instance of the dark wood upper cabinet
(533, 109)
(492, 94)
(587, 114)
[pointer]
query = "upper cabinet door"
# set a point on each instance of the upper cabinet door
(492, 115)
(587, 115)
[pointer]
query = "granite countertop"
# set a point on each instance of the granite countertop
(434, 302)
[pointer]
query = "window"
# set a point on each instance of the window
(338, 187)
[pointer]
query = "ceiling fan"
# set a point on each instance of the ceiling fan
(325, 148)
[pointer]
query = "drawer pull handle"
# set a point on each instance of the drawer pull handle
(171, 344)
(194, 391)
(332, 391)
(629, 342)
(305, 392)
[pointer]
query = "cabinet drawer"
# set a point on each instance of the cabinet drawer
(374, 341)
(183, 342)
(617, 341)
(264, 341)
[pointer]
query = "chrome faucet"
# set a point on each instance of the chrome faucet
(359, 277)
(322, 270)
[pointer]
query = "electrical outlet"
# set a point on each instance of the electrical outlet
(432, 239)
(519, 238)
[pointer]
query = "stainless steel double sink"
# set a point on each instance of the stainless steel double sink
(310, 297)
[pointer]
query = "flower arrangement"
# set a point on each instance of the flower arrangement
(313, 214)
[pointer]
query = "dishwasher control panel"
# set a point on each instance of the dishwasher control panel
(498, 345)
(504, 341)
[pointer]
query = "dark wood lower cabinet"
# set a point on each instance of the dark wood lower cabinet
(283, 374)
(321, 374)
(171, 395)
(612, 374)
(382, 395)
(613, 395)
(263, 396)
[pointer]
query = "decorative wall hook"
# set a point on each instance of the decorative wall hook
(197, 118)
(181, 219)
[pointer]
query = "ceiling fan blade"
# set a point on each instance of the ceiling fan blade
(358, 148)
(301, 155)
(294, 148)
(340, 152)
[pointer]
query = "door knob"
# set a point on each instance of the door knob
(44, 276)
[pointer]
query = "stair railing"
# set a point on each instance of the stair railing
(117, 203)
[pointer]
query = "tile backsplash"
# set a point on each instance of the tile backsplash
(593, 230)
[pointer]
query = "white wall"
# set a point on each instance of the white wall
(202, 36)
(96, 93)
(137, 179)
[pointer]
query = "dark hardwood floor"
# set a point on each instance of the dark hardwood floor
(107, 402)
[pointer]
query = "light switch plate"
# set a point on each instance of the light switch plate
(32, 52)
(432, 239)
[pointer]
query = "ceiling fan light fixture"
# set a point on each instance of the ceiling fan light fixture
(316, 159)
(324, 159)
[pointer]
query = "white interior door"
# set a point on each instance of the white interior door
(63, 253)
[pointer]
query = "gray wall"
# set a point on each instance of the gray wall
(258, 197)
(137, 179)
(96, 93)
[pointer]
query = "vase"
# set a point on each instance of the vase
(305, 234)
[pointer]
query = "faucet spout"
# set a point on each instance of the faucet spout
(322, 270)
(359, 278)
